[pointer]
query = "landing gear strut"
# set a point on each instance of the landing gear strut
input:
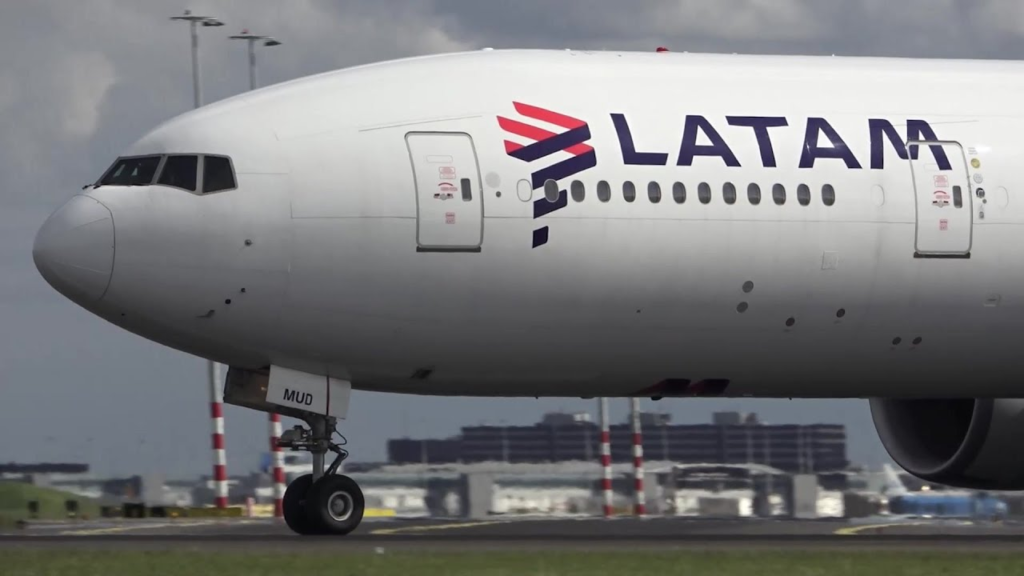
(322, 502)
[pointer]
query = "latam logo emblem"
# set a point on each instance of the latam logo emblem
(540, 143)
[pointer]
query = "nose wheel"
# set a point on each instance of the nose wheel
(321, 503)
(332, 505)
(335, 505)
(294, 506)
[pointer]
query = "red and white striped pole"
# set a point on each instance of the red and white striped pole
(277, 462)
(220, 463)
(606, 459)
(638, 459)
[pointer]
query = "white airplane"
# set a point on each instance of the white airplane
(565, 223)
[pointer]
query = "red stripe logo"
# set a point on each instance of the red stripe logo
(542, 142)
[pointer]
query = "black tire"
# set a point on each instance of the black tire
(294, 506)
(335, 505)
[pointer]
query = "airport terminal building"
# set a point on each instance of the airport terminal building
(731, 438)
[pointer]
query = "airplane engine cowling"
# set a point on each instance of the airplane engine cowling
(967, 443)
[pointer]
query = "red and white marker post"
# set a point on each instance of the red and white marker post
(638, 459)
(220, 463)
(277, 464)
(606, 459)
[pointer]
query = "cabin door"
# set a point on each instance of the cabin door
(449, 203)
(943, 200)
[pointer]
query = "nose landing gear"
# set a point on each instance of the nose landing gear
(322, 502)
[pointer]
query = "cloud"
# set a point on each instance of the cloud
(999, 15)
(8, 92)
(80, 84)
(85, 79)
(80, 80)
(737, 19)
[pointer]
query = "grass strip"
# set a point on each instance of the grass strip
(527, 563)
(15, 496)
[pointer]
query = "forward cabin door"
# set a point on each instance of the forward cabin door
(449, 203)
(943, 191)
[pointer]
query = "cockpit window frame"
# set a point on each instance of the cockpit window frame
(201, 189)
(117, 161)
(199, 171)
(155, 181)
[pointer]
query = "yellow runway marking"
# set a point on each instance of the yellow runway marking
(854, 530)
(129, 528)
(415, 529)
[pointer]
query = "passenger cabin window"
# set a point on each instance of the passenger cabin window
(704, 193)
(779, 194)
(604, 191)
(180, 172)
(654, 192)
(551, 191)
(679, 192)
(217, 174)
(958, 197)
(828, 194)
(628, 191)
(729, 193)
(137, 171)
(754, 194)
(579, 193)
(803, 194)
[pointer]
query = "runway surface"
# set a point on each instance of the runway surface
(501, 533)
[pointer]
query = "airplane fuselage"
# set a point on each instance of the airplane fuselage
(514, 224)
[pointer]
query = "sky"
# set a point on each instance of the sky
(80, 80)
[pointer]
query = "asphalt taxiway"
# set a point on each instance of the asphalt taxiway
(538, 533)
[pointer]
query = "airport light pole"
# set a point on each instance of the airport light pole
(504, 441)
(769, 489)
(586, 443)
(277, 457)
(664, 442)
(750, 444)
(194, 22)
(809, 447)
(799, 451)
(251, 39)
(220, 471)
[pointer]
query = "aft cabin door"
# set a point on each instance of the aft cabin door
(943, 190)
(449, 204)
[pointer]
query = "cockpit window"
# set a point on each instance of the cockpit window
(217, 174)
(137, 171)
(180, 172)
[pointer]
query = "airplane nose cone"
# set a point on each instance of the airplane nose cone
(74, 250)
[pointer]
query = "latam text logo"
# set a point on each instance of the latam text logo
(821, 141)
